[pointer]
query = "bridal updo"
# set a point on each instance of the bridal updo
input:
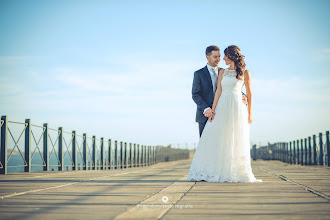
(234, 53)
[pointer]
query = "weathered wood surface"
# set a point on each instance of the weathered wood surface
(287, 192)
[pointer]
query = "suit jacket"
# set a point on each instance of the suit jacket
(202, 92)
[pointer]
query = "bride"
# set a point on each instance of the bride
(223, 152)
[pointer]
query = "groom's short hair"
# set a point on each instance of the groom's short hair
(211, 48)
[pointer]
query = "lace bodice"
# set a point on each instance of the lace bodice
(231, 73)
(229, 82)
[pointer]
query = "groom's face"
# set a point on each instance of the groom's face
(214, 58)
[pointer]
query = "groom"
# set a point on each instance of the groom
(205, 85)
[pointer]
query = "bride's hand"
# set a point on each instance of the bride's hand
(250, 119)
(211, 118)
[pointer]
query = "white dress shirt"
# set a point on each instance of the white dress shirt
(210, 72)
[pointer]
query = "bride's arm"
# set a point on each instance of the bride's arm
(218, 91)
(247, 81)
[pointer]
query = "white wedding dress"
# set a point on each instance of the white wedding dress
(223, 151)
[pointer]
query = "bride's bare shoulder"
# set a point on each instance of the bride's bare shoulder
(247, 74)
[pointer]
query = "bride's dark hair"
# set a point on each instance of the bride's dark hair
(234, 53)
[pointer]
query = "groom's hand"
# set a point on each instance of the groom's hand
(208, 113)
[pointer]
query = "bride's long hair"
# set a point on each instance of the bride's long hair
(234, 53)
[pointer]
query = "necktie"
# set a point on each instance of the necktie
(214, 78)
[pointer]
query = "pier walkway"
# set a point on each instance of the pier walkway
(161, 191)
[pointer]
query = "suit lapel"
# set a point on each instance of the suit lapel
(207, 75)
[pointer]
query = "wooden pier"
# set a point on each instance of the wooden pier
(161, 191)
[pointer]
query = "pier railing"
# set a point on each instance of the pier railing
(312, 150)
(48, 149)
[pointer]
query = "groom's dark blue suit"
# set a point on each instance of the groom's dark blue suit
(202, 94)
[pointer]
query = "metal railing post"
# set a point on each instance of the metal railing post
(302, 151)
(4, 129)
(321, 149)
(290, 153)
(286, 152)
(145, 155)
(152, 154)
(109, 154)
(125, 155)
(102, 153)
(121, 155)
(294, 152)
(298, 152)
(328, 146)
(142, 156)
(149, 155)
(285, 155)
(306, 163)
(134, 147)
(74, 151)
(155, 148)
(155, 154)
(138, 156)
(46, 158)
(309, 151)
(60, 150)
(282, 152)
(314, 150)
(130, 155)
(116, 155)
(94, 153)
(85, 150)
(27, 150)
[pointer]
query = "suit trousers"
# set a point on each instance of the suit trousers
(201, 127)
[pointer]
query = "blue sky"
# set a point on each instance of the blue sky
(123, 69)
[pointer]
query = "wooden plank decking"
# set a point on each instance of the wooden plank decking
(162, 192)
